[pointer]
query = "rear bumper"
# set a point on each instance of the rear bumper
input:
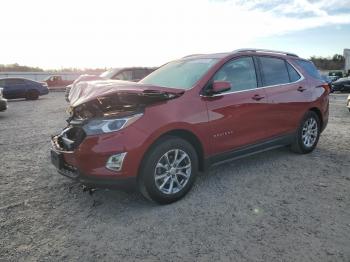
(44, 92)
(3, 104)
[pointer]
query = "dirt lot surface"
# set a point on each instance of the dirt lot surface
(275, 206)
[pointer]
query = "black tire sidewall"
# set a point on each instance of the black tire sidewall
(146, 178)
(300, 142)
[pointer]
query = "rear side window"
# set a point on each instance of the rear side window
(15, 81)
(310, 68)
(274, 71)
(293, 74)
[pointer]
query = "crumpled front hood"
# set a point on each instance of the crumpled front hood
(110, 97)
(85, 91)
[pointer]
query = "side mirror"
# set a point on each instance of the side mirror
(220, 86)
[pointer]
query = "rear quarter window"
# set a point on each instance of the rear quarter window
(293, 74)
(310, 68)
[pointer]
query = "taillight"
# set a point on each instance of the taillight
(327, 87)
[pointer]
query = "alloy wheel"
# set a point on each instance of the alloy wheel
(173, 171)
(309, 132)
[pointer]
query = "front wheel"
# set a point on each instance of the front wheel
(307, 134)
(169, 170)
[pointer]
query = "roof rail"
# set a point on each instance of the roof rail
(264, 50)
(191, 55)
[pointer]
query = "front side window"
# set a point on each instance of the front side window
(125, 75)
(240, 73)
(274, 71)
(182, 74)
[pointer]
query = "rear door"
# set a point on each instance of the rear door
(237, 117)
(14, 88)
(288, 94)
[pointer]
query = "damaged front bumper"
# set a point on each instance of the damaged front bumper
(72, 153)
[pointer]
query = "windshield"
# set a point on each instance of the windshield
(181, 74)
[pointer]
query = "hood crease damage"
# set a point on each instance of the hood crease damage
(110, 99)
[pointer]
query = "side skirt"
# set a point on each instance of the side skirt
(249, 150)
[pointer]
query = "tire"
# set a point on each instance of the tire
(156, 175)
(32, 95)
(309, 128)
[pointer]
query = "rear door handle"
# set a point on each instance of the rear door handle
(257, 97)
(301, 89)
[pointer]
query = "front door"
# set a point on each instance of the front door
(237, 116)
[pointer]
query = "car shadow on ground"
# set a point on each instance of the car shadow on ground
(25, 100)
(113, 200)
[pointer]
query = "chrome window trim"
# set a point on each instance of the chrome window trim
(262, 87)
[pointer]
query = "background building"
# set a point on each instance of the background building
(347, 60)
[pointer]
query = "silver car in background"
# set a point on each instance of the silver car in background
(133, 74)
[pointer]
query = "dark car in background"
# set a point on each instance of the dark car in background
(3, 102)
(328, 80)
(22, 88)
(342, 85)
(133, 74)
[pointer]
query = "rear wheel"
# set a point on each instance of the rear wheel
(32, 95)
(307, 134)
(169, 170)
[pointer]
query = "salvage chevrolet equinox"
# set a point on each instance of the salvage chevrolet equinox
(188, 115)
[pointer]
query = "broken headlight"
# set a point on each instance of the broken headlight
(101, 126)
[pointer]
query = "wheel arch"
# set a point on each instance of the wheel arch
(318, 113)
(188, 136)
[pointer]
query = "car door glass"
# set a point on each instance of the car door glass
(240, 73)
(310, 68)
(274, 71)
(14, 82)
(125, 75)
(139, 73)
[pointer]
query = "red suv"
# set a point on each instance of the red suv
(190, 114)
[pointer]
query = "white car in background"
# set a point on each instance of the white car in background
(133, 74)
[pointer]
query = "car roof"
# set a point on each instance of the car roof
(21, 78)
(248, 51)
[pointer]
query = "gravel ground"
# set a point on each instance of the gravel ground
(276, 206)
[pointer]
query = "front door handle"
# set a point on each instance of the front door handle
(301, 89)
(257, 97)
